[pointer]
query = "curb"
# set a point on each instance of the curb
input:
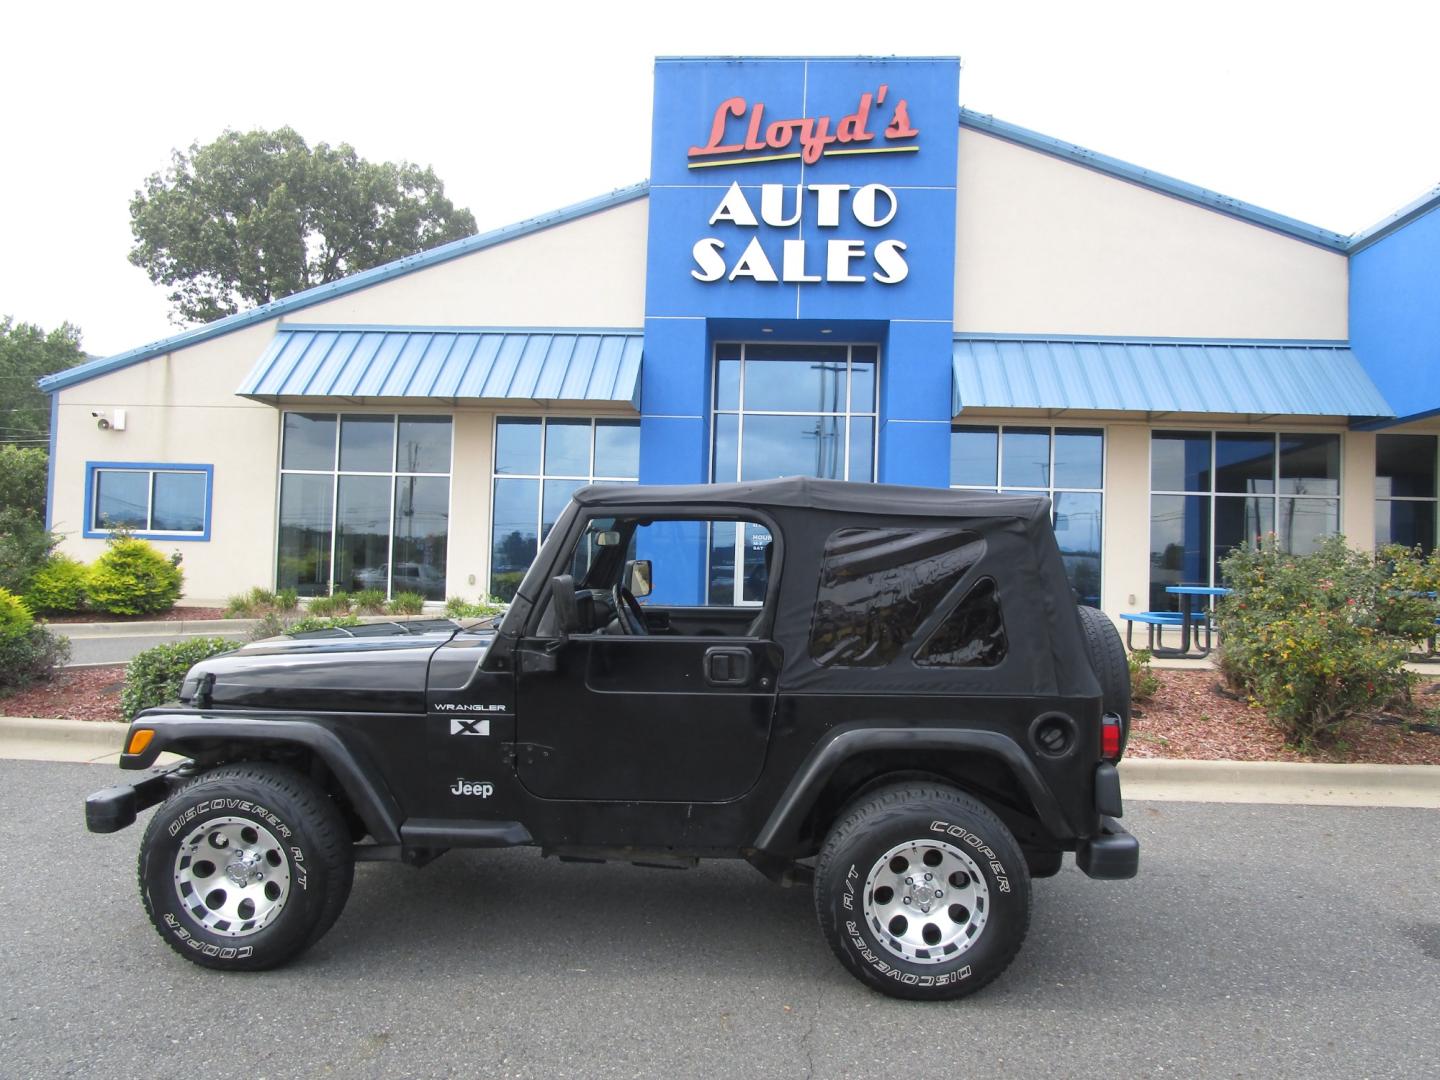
(31, 738)
(183, 627)
(1171, 779)
(1144, 779)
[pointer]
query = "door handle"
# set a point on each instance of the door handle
(728, 667)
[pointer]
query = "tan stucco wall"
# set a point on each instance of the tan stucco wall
(182, 408)
(587, 272)
(1048, 246)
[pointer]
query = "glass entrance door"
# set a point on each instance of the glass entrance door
(785, 410)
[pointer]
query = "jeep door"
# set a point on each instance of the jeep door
(678, 712)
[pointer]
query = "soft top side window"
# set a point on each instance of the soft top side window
(877, 586)
(973, 635)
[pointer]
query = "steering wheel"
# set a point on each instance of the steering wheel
(628, 611)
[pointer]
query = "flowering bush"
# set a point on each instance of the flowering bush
(1309, 637)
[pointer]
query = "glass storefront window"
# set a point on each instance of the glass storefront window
(380, 520)
(539, 462)
(1405, 490)
(1065, 464)
(1214, 491)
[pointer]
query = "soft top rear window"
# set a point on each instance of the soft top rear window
(877, 586)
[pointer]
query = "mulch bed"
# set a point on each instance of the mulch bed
(1193, 716)
(84, 693)
(179, 614)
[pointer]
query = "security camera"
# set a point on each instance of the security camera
(110, 421)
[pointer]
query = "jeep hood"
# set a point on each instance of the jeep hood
(372, 668)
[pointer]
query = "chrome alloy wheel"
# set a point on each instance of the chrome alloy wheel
(232, 876)
(926, 901)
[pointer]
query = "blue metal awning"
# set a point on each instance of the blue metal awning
(1247, 378)
(448, 363)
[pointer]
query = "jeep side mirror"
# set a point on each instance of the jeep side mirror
(641, 581)
(562, 598)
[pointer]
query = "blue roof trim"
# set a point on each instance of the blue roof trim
(1121, 339)
(1384, 422)
(1166, 185)
(1256, 378)
(449, 363)
(1396, 221)
(353, 283)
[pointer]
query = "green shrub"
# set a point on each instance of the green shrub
(25, 546)
(1144, 683)
(1408, 607)
(15, 617)
(31, 656)
(132, 578)
(287, 600)
(337, 603)
(369, 601)
(250, 605)
(58, 587)
(1305, 636)
(154, 676)
(238, 606)
(457, 607)
(407, 603)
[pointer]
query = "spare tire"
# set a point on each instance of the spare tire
(1107, 657)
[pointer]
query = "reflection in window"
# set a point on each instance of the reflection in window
(1065, 464)
(1214, 491)
(380, 520)
(539, 463)
(1405, 490)
(973, 635)
(794, 410)
(173, 501)
(878, 585)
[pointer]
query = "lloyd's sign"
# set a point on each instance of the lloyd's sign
(803, 188)
(740, 134)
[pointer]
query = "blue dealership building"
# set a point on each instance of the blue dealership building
(834, 269)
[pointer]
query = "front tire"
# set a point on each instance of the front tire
(922, 892)
(245, 867)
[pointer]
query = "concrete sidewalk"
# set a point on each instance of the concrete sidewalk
(1144, 779)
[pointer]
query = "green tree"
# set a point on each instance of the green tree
(257, 215)
(22, 478)
(26, 353)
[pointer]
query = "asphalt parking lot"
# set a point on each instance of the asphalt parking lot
(1266, 941)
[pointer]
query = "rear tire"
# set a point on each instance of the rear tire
(245, 867)
(922, 892)
(1106, 653)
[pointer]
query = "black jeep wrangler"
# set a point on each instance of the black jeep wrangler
(887, 692)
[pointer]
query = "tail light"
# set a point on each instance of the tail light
(1110, 732)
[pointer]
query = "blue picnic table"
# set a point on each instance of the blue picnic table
(1185, 619)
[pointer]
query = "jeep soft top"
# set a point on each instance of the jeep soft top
(887, 692)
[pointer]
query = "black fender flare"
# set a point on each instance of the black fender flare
(360, 781)
(782, 829)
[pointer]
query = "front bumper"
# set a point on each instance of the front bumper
(113, 808)
(1112, 854)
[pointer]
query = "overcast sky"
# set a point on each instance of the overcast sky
(1325, 112)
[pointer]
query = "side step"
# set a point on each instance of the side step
(446, 833)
